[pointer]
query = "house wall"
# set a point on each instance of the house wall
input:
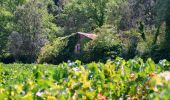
(80, 44)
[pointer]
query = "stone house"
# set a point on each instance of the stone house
(82, 39)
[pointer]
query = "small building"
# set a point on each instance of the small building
(82, 39)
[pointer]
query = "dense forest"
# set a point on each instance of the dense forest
(84, 49)
(42, 30)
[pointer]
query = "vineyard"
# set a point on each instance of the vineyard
(118, 79)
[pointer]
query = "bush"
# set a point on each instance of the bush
(130, 41)
(51, 51)
(106, 46)
(60, 50)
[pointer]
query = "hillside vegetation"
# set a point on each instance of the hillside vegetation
(39, 31)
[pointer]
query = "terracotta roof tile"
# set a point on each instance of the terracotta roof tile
(88, 35)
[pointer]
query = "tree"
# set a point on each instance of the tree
(135, 11)
(33, 26)
(7, 7)
(85, 15)
(5, 28)
(163, 15)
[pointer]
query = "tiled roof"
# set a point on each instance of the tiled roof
(88, 35)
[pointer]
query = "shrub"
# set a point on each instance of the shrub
(60, 50)
(51, 52)
(130, 42)
(105, 47)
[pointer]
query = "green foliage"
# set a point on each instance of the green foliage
(106, 46)
(88, 15)
(5, 27)
(134, 11)
(130, 41)
(51, 52)
(33, 28)
(7, 8)
(160, 85)
(118, 79)
(59, 50)
(27, 25)
(163, 16)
